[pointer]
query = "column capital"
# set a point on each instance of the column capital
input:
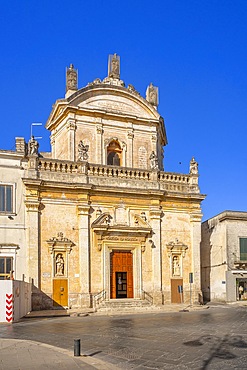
(71, 124)
(99, 129)
(83, 209)
(33, 205)
(155, 212)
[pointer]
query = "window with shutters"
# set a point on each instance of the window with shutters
(6, 198)
(243, 249)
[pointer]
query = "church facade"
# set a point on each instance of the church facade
(103, 220)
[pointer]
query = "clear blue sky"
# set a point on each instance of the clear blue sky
(195, 51)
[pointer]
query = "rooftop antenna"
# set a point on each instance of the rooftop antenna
(35, 124)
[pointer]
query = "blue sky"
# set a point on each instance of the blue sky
(195, 51)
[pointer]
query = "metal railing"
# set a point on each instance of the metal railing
(147, 297)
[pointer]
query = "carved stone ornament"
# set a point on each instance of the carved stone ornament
(176, 248)
(176, 269)
(82, 151)
(71, 78)
(99, 129)
(33, 147)
(60, 243)
(152, 95)
(59, 262)
(141, 220)
(114, 66)
(132, 90)
(102, 219)
(32, 205)
(193, 167)
(153, 161)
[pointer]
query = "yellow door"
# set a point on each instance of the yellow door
(60, 292)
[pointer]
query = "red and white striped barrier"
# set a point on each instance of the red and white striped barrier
(15, 300)
(9, 307)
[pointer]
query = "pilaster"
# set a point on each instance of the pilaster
(84, 251)
(130, 147)
(155, 220)
(33, 239)
(71, 127)
(99, 143)
(195, 220)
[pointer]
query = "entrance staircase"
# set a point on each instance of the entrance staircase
(124, 305)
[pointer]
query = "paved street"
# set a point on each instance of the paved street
(213, 338)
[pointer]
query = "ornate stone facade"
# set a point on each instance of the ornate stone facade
(103, 187)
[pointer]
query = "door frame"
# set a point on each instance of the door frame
(115, 268)
(133, 247)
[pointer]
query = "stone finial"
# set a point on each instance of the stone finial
(152, 95)
(193, 167)
(114, 66)
(71, 78)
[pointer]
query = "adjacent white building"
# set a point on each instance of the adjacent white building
(13, 250)
(224, 257)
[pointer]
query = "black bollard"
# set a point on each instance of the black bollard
(77, 347)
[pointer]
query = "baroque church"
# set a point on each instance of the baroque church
(102, 219)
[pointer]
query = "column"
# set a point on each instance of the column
(84, 252)
(155, 217)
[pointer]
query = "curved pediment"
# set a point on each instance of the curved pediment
(113, 99)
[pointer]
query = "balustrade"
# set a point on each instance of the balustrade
(168, 181)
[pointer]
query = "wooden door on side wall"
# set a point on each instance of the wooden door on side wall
(60, 292)
(176, 297)
(121, 274)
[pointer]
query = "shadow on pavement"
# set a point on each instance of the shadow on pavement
(219, 347)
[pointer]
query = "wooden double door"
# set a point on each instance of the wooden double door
(121, 274)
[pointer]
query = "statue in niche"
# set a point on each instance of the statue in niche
(153, 161)
(59, 265)
(33, 146)
(114, 66)
(193, 167)
(71, 78)
(175, 266)
(82, 151)
(152, 94)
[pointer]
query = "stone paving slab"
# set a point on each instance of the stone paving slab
(28, 355)
(197, 339)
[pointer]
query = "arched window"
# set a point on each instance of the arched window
(114, 154)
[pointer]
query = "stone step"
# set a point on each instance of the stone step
(123, 304)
